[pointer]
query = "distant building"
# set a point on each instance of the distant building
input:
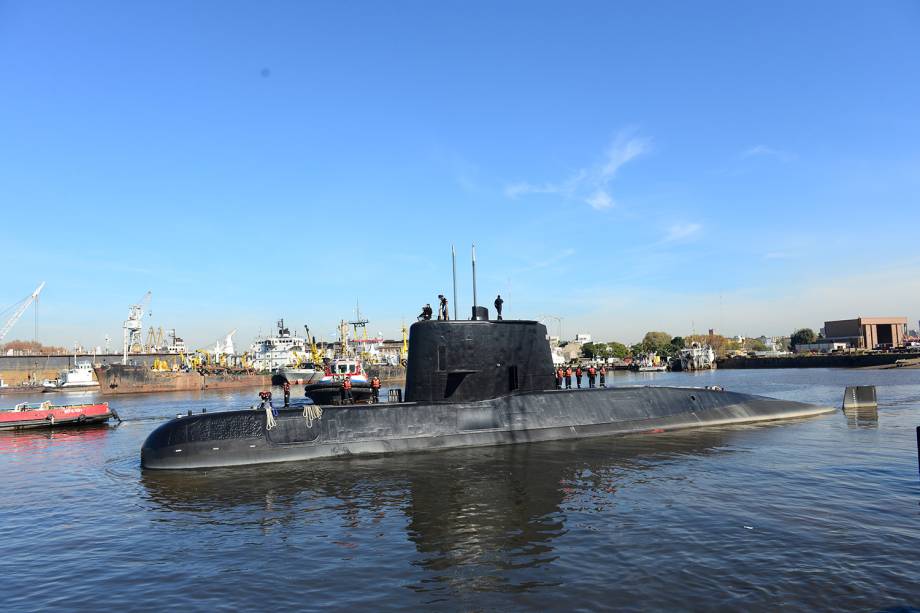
(821, 347)
(582, 338)
(572, 351)
(867, 332)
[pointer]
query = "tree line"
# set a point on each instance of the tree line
(666, 345)
(30, 348)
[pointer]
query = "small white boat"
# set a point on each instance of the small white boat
(78, 377)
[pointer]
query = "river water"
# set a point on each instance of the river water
(819, 513)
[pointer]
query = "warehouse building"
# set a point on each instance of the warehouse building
(867, 332)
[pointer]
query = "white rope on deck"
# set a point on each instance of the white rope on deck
(311, 412)
(269, 418)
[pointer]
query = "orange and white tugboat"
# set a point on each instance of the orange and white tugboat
(47, 415)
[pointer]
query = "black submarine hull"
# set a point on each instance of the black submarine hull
(240, 437)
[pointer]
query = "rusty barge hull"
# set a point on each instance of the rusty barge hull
(122, 379)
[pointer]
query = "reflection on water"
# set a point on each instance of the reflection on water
(461, 505)
(492, 510)
(818, 513)
(862, 418)
(35, 440)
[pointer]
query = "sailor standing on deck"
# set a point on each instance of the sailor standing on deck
(346, 391)
(375, 390)
(287, 394)
(442, 308)
(498, 306)
(592, 372)
(578, 374)
(568, 378)
(603, 372)
(559, 374)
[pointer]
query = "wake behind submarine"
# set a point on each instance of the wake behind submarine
(468, 383)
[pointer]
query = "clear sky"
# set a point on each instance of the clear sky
(626, 166)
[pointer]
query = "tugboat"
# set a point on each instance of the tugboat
(331, 388)
(328, 390)
(47, 415)
(78, 377)
(468, 383)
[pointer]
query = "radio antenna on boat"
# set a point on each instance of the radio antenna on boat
(474, 280)
(453, 262)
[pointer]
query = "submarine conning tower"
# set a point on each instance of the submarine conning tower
(460, 361)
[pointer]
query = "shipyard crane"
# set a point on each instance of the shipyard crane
(314, 350)
(20, 308)
(133, 326)
(226, 347)
(154, 340)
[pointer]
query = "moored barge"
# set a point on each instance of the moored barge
(47, 415)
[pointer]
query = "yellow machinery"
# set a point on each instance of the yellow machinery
(404, 350)
(314, 352)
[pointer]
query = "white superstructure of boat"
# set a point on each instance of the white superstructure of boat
(80, 376)
(282, 350)
(697, 357)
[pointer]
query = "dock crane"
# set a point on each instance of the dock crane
(133, 326)
(315, 354)
(19, 309)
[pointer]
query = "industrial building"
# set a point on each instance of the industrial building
(867, 332)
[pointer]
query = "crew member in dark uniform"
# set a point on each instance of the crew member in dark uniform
(603, 372)
(426, 313)
(592, 372)
(442, 308)
(498, 306)
(287, 394)
(375, 390)
(578, 374)
(568, 378)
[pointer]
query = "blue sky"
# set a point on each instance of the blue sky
(625, 166)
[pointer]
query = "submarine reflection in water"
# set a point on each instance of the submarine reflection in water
(468, 383)
(504, 504)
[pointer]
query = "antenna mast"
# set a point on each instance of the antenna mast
(453, 261)
(474, 278)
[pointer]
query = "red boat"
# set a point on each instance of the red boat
(47, 415)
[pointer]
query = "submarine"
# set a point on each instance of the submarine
(469, 383)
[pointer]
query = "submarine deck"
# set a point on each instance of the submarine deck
(241, 437)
